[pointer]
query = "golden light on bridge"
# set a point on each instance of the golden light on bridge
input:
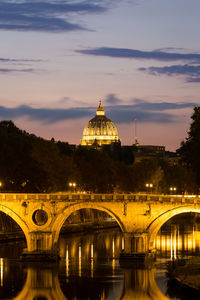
(149, 185)
(72, 184)
(172, 189)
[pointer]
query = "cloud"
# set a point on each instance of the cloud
(18, 62)
(190, 72)
(112, 99)
(193, 79)
(45, 115)
(47, 16)
(160, 106)
(142, 110)
(158, 55)
(14, 60)
(146, 111)
(4, 70)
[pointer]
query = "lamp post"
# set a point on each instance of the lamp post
(149, 187)
(72, 186)
(1, 184)
(172, 189)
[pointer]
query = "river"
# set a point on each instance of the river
(89, 268)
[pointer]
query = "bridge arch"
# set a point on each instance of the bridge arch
(18, 220)
(155, 226)
(75, 207)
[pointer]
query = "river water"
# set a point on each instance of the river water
(89, 268)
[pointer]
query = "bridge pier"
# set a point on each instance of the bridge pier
(40, 247)
(136, 247)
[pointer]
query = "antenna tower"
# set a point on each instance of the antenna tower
(135, 132)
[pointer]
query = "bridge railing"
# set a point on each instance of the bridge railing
(74, 197)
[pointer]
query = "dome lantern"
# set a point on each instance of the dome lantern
(100, 110)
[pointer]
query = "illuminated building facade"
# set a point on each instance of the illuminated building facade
(100, 130)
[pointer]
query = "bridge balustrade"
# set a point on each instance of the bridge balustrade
(100, 197)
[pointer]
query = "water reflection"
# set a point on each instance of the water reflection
(140, 284)
(12, 278)
(178, 242)
(42, 284)
(89, 268)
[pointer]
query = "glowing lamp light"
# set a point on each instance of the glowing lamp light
(150, 185)
(72, 185)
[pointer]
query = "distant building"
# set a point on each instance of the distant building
(149, 151)
(100, 130)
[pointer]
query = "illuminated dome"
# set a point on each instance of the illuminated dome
(100, 130)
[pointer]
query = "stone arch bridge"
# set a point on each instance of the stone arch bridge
(139, 216)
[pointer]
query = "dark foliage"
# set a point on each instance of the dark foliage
(190, 149)
(32, 164)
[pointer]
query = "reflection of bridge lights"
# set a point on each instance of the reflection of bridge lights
(113, 265)
(113, 254)
(79, 261)
(67, 262)
(171, 250)
(113, 248)
(92, 268)
(73, 249)
(123, 243)
(92, 251)
(193, 238)
(1, 270)
(92, 260)
(175, 243)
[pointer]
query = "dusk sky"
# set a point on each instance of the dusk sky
(141, 57)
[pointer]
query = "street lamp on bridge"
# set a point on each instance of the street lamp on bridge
(72, 186)
(172, 189)
(149, 187)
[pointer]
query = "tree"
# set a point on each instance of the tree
(95, 170)
(190, 149)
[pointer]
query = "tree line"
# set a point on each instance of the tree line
(32, 164)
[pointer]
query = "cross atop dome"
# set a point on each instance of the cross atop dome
(100, 110)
